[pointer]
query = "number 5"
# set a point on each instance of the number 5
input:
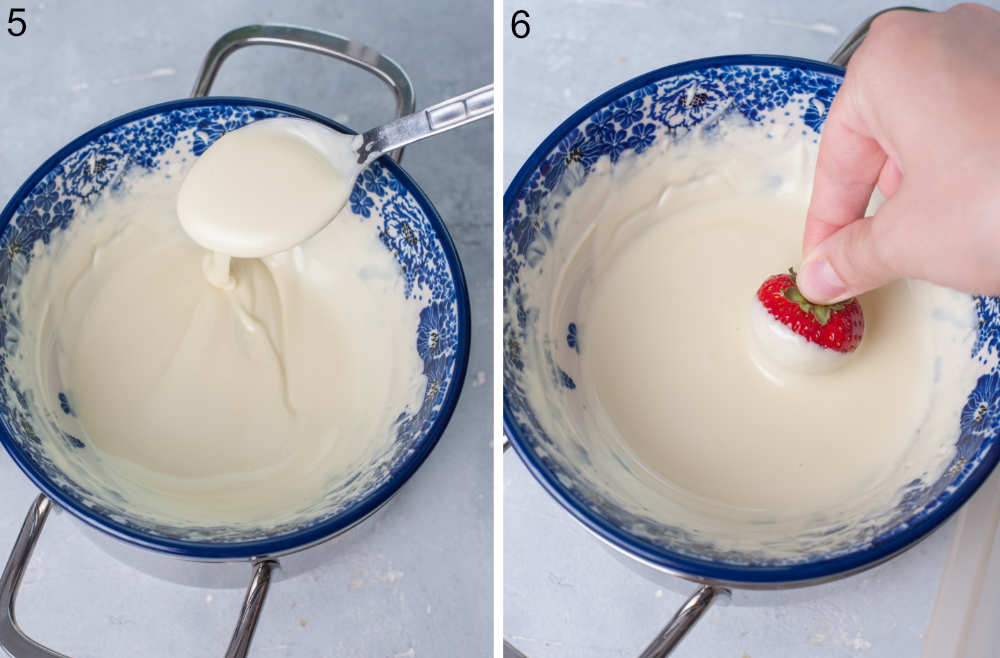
(12, 19)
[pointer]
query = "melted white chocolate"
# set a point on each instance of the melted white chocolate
(208, 404)
(675, 372)
(774, 346)
(267, 186)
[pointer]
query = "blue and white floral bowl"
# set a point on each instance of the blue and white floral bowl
(661, 106)
(385, 197)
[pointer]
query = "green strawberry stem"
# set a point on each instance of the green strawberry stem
(821, 312)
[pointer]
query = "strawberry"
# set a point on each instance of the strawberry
(838, 327)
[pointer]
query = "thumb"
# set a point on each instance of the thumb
(856, 258)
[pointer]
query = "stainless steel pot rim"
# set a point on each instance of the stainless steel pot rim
(312, 534)
(660, 557)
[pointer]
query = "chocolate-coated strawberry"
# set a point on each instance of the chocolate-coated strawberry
(837, 326)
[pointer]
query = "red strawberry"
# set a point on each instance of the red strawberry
(837, 327)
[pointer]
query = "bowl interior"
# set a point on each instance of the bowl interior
(385, 199)
(540, 398)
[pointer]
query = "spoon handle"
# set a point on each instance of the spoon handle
(435, 119)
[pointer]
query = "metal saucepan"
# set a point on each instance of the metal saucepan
(669, 102)
(408, 225)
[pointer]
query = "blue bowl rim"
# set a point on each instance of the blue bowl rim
(376, 498)
(696, 568)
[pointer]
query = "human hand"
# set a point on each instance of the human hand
(916, 115)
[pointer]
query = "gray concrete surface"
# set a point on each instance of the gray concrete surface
(418, 581)
(564, 594)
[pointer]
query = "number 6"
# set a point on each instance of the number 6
(523, 24)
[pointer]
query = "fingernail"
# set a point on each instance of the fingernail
(820, 283)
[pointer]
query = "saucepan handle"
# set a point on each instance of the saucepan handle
(314, 41)
(253, 603)
(18, 644)
(842, 55)
(682, 621)
(12, 638)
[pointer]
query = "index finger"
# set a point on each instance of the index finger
(847, 169)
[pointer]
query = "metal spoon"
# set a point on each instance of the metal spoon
(233, 202)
